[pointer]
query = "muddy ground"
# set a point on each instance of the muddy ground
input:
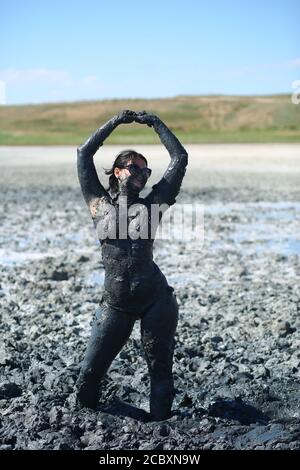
(237, 357)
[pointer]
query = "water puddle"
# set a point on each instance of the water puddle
(272, 208)
(287, 247)
(12, 258)
(96, 278)
(263, 227)
(255, 228)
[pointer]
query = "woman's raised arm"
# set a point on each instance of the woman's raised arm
(166, 190)
(91, 187)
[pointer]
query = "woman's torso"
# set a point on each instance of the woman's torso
(133, 281)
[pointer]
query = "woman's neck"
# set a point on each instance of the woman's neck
(126, 194)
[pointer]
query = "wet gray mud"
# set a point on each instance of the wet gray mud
(237, 359)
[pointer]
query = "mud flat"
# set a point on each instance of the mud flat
(237, 360)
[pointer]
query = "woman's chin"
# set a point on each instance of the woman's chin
(138, 184)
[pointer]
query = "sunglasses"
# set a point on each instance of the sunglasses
(135, 170)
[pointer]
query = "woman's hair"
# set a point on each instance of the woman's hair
(120, 161)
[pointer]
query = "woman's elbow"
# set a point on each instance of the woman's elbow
(79, 150)
(185, 157)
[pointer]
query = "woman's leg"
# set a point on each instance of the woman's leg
(110, 332)
(158, 327)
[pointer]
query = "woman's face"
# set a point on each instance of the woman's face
(123, 173)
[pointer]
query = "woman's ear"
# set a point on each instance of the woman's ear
(117, 172)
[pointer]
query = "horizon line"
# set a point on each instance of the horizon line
(264, 95)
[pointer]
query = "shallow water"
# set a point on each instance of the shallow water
(274, 208)
(12, 258)
(96, 278)
(260, 227)
(270, 227)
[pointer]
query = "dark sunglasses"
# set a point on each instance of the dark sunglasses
(135, 170)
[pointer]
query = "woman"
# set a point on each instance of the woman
(134, 287)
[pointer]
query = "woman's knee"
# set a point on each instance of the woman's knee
(160, 322)
(110, 331)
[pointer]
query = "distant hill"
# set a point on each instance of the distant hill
(194, 119)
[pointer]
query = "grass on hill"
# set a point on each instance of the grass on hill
(194, 119)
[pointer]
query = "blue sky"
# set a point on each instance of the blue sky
(81, 50)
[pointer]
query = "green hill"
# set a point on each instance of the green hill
(194, 119)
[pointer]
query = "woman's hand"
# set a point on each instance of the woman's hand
(143, 117)
(126, 116)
